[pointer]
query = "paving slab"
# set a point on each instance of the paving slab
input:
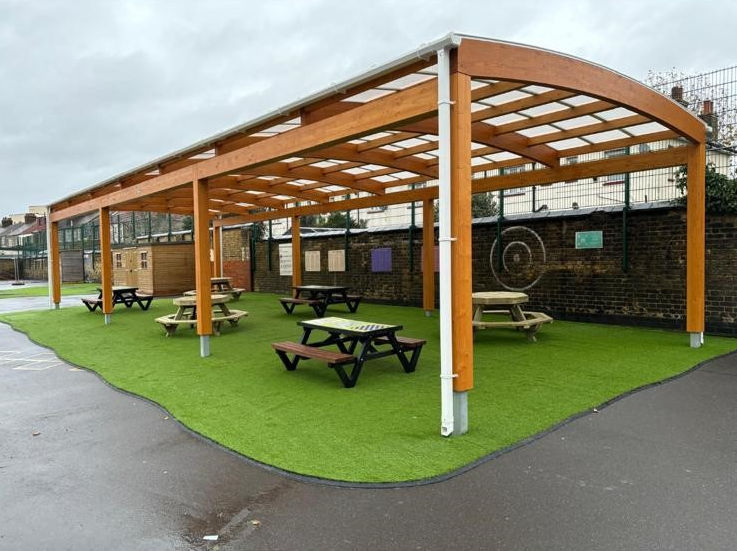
(84, 466)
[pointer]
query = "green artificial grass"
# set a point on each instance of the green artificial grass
(42, 290)
(387, 427)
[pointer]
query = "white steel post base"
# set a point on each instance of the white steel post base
(108, 319)
(204, 346)
(697, 339)
(428, 313)
(460, 413)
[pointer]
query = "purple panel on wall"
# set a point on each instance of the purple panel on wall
(381, 260)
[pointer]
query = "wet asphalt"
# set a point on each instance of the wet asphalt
(83, 466)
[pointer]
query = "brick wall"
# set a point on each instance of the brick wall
(583, 284)
(237, 258)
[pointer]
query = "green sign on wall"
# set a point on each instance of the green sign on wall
(589, 240)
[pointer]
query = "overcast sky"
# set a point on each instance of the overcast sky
(91, 88)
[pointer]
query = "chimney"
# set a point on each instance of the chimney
(711, 119)
(29, 218)
(7, 221)
(677, 94)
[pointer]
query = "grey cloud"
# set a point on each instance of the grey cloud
(92, 88)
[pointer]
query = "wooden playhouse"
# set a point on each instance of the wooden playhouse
(157, 269)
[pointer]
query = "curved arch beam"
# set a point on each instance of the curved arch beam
(503, 61)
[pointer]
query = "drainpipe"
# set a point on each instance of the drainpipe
(50, 272)
(444, 241)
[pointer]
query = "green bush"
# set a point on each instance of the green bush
(721, 190)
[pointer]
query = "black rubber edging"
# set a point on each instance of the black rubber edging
(385, 485)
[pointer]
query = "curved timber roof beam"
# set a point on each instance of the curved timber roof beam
(504, 61)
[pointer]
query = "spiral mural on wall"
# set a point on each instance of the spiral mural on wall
(522, 261)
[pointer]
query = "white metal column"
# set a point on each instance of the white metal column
(444, 241)
(49, 271)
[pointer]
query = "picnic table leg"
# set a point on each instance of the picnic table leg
(349, 381)
(291, 365)
(306, 335)
(407, 365)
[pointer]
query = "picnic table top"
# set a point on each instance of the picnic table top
(192, 300)
(347, 326)
(320, 287)
(120, 288)
(499, 297)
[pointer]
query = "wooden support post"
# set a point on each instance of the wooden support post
(106, 268)
(216, 252)
(296, 253)
(695, 243)
(460, 205)
(428, 256)
(201, 229)
(54, 263)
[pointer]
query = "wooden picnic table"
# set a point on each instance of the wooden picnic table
(373, 340)
(220, 285)
(507, 302)
(186, 314)
(121, 295)
(319, 297)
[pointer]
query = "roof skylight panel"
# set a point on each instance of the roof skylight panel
(354, 171)
(406, 81)
(368, 95)
(575, 101)
(544, 109)
(616, 113)
(504, 119)
(378, 135)
(537, 89)
(279, 128)
(607, 136)
(567, 144)
(539, 131)
(506, 97)
(323, 164)
(647, 128)
(577, 122)
(410, 142)
(503, 156)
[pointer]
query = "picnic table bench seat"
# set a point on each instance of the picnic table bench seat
(335, 360)
(92, 304)
(407, 343)
(236, 292)
(170, 323)
(288, 303)
(531, 324)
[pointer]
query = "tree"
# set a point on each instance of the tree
(721, 190)
(332, 220)
(482, 205)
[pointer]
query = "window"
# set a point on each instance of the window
(118, 260)
(613, 179)
(144, 260)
